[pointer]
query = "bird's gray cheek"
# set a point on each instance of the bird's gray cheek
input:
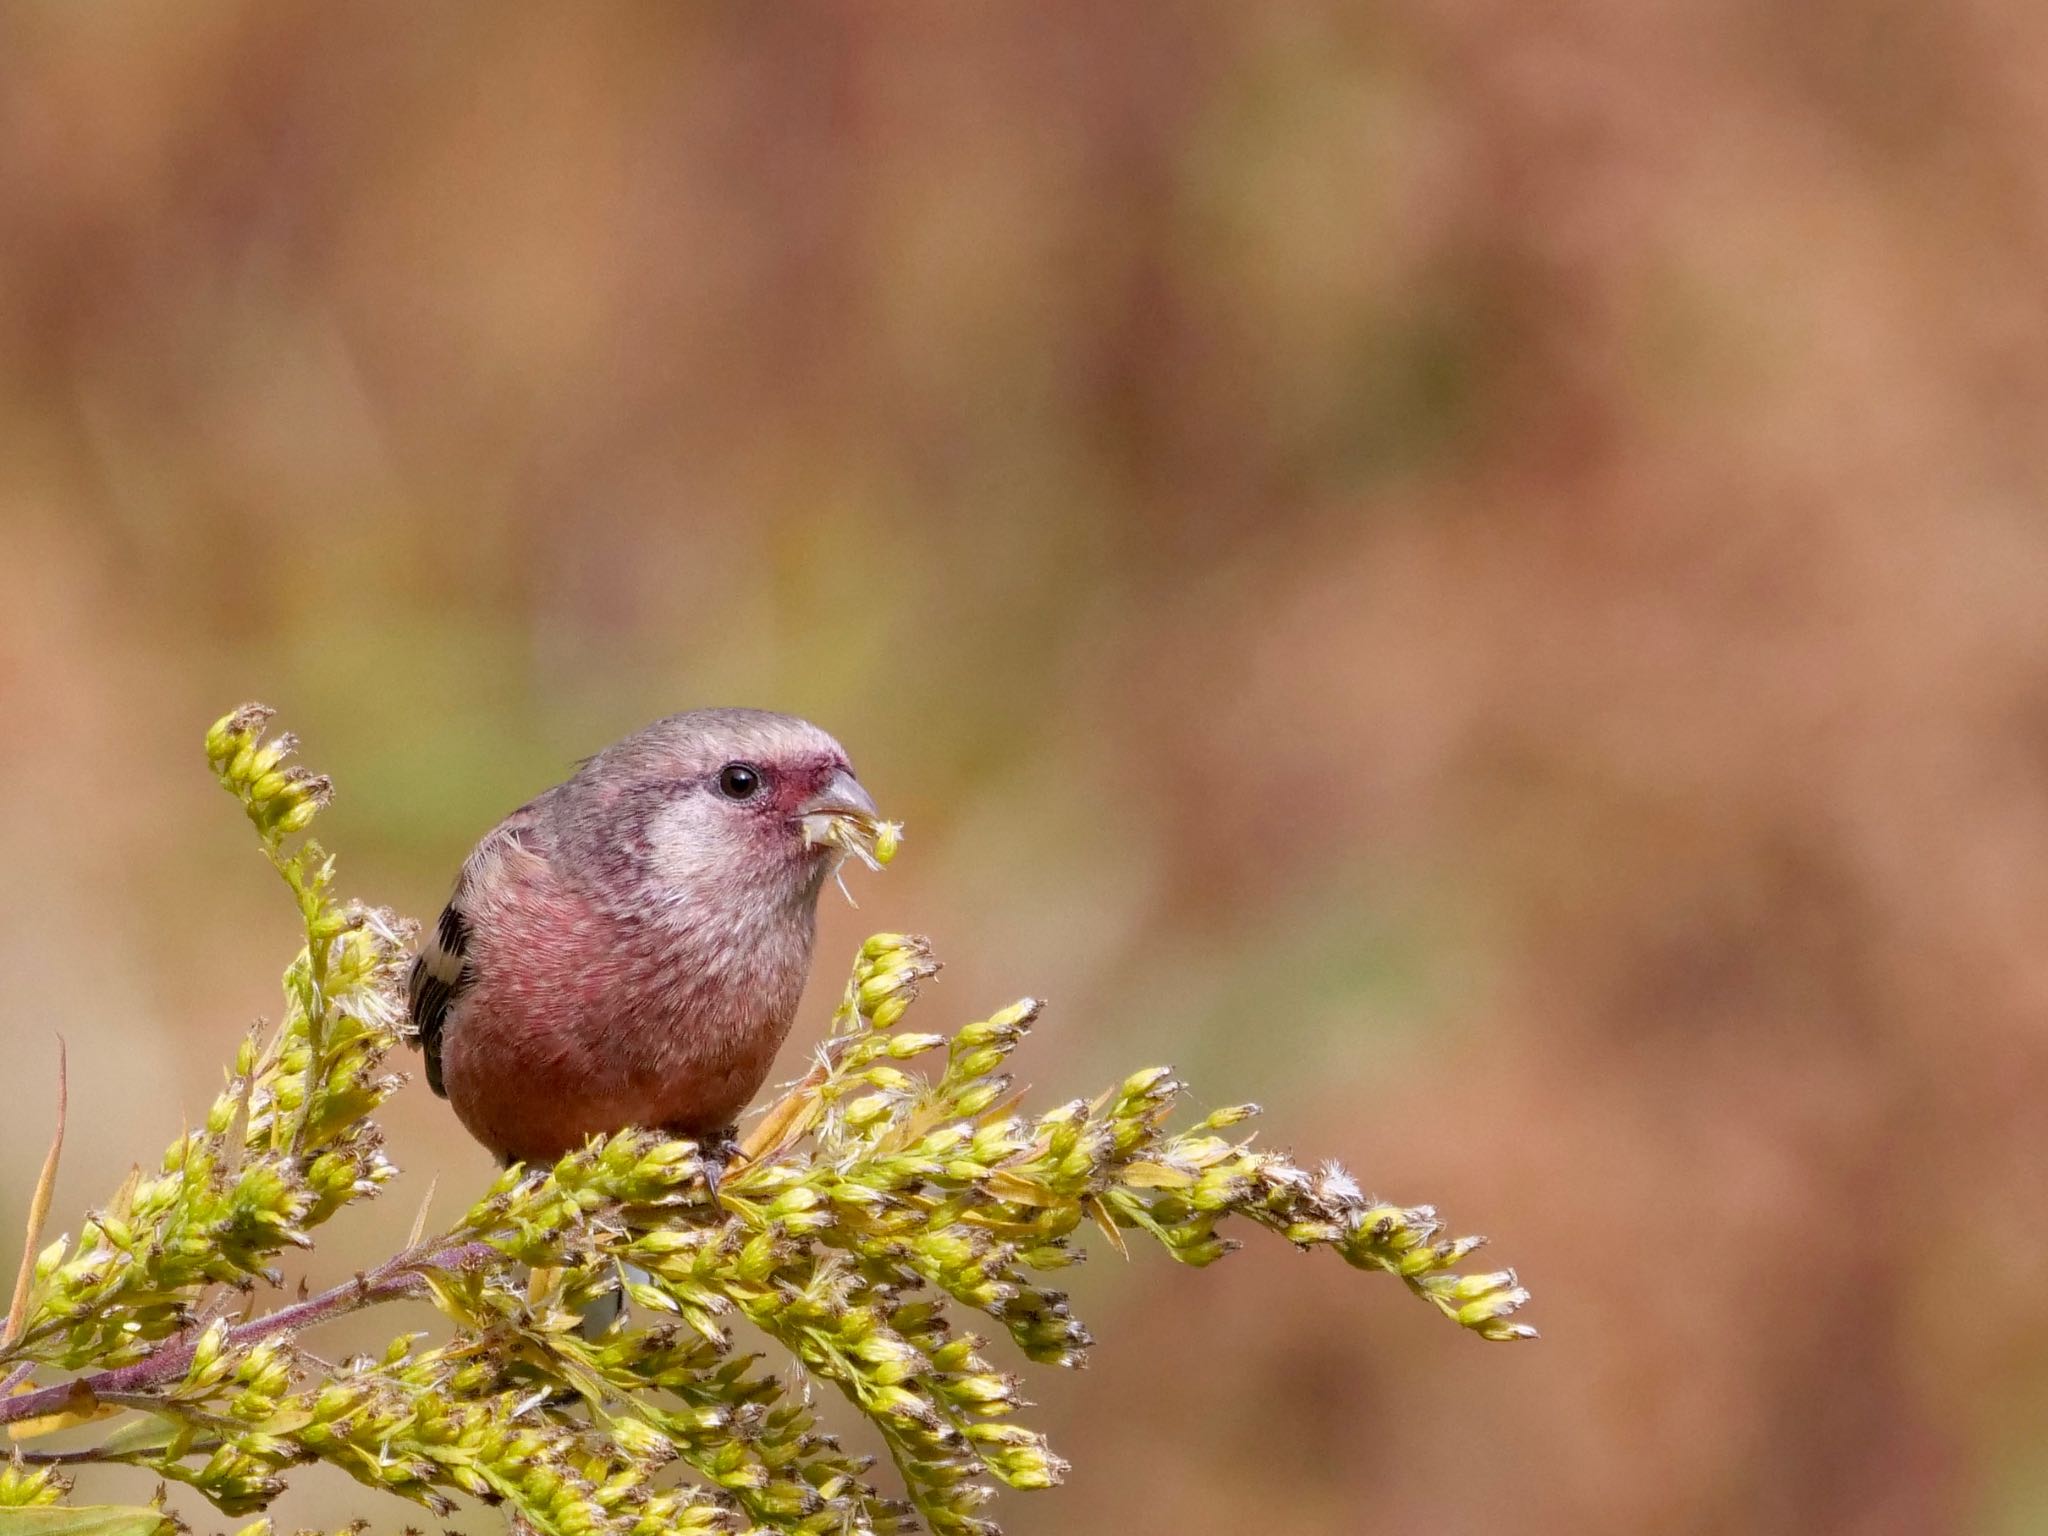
(684, 847)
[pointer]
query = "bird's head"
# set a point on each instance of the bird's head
(737, 804)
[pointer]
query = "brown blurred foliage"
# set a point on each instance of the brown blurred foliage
(1474, 572)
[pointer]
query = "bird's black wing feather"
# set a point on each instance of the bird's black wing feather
(443, 969)
(439, 973)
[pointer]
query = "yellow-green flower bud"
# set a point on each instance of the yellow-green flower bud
(1019, 1014)
(642, 1440)
(977, 1098)
(207, 1366)
(1490, 1308)
(234, 731)
(298, 818)
(1472, 1287)
(894, 1361)
(1147, 1082)
(867, 1110)
(883, 984)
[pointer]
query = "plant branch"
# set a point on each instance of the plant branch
(880, 1204)
(404, 1275)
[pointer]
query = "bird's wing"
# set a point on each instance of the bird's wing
(442, 968)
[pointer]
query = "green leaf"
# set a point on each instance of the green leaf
(85, 1520)
(38, 1209)
(145, 1432)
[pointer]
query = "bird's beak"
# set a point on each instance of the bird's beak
(842, 815)
(841, 796)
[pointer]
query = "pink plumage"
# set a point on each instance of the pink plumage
(629, 948)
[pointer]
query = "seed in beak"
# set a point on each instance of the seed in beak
(842, 816)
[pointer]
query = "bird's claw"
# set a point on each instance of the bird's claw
(717, 1152)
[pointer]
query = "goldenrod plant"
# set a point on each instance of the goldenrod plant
(897, 1193)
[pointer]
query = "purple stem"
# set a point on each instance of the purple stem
(400, 1276)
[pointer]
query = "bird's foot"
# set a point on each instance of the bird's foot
(716, 1152)
(720, 1150)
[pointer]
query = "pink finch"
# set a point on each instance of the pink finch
(628, 949)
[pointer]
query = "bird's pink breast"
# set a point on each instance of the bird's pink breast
(579, 1022)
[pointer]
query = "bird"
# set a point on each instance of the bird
(628, 949)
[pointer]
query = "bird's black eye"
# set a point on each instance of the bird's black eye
(736, 781)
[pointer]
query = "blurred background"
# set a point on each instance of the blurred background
(1474, 573)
